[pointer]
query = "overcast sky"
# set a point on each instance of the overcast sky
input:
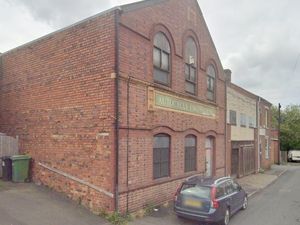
(258, 40)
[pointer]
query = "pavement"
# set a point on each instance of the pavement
(28, 204)
(256, 182)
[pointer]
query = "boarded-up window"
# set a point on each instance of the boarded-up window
(190, 154)
(161, 156)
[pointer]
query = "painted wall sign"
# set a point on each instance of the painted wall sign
(169, 102)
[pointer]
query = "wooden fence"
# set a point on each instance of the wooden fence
(8, 147)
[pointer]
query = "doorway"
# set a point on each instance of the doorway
(209, 147)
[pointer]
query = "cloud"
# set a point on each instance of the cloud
(59, 13)
(18, 26)
(258, 40)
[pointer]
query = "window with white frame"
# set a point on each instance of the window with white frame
(232, 117)
(267, 148)
(243, 120)
(251, 122)
(267, 118)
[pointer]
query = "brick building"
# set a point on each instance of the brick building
(118, 109)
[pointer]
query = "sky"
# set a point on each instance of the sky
(258, 40)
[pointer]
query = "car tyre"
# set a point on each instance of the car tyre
(226, 218)
(245, 203)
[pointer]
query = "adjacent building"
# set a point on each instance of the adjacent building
(252, 144)
(118, 109)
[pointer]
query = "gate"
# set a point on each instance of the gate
(234, 162)
(247, 160)
(8, 147)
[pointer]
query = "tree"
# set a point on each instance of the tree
(290, 128)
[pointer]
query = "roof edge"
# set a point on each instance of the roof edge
(61, 30)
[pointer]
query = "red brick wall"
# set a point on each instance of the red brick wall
(57, 95)
(263, 107)
(136, 34)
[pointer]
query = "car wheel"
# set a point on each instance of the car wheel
(226, 217)
(245, 203)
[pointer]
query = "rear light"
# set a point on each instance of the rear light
(177, 192)
(214, 203)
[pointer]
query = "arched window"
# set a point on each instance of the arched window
(161, 156)
(190, 153)
(161, 59)
(190, 68)
(211, 83)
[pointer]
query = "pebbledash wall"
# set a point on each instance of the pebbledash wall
(58, 94)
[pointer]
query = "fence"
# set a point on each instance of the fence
(8, 147)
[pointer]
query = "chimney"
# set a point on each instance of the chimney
(228, 75)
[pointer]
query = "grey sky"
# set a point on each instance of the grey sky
(258, 40)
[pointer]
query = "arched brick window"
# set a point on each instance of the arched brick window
(190, 68)
(190, 153)
(211, 83)
(161, 59)
(161, 156)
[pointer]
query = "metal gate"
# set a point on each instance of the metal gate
(8, 147)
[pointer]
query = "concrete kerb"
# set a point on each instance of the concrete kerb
(260, 189)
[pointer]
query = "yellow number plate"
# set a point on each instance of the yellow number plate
(193, 203)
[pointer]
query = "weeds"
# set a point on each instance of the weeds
(116, 218)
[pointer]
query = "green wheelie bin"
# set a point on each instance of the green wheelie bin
(20, 168)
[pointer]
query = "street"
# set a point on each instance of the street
(279, 204)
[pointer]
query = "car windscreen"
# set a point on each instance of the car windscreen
(195, 191)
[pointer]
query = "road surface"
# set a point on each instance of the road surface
(279, 204)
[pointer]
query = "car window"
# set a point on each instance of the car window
(229, 188)
(220, 191)
(195, 190)
(235, 186)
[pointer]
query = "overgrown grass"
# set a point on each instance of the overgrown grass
(117, 218)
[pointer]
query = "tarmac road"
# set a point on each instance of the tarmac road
(279, 204)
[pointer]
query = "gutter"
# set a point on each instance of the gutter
(118, 11)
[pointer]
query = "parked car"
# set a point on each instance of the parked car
(294, 155)
(209, 200)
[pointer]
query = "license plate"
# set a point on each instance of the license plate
(193, 203)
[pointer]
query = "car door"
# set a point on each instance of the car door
(236, 196)
(231, 195)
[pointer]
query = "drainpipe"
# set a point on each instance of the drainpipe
(117, 71)
(227, 80)
(226, 128)
(258, 131)
(127, 154)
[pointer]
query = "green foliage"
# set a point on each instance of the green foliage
(275, 116)
(116, 218)
(290, 128)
